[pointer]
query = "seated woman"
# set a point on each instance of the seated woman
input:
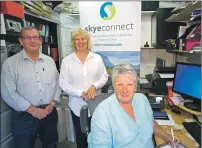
(125, 119)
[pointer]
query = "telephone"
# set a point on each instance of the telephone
(152, 77)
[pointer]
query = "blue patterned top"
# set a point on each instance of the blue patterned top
(112, 127)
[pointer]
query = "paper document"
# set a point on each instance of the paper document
(3, 43)
(177, 100)
(143, 81)
(166, 75)
(169, 146)
(166, 122)
(2, 24)
(165, 145)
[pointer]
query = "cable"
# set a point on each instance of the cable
(197, 120)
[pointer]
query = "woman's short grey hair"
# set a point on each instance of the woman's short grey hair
(124, 69)
(80, 31)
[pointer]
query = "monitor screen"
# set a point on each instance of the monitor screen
(188, 80)
(160, 63)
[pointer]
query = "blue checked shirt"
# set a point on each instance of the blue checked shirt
(25, 82)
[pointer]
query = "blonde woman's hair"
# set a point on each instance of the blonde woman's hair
(80, 31)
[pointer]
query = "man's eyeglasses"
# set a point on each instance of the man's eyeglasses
(29, 38)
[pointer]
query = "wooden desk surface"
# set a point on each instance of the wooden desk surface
(178, 118)
(190, 111)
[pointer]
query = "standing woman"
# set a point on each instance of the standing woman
(82, 76)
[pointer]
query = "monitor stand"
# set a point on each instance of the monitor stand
(192, 106)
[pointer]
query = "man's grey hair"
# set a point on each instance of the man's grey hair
(124, 68)
(28, 28)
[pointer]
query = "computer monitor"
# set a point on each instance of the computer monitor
(187, 82)
(160, 63)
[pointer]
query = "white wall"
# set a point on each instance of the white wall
(145, 30)
(67, 24)
(148, 60)
(76, 20)
(166, 4)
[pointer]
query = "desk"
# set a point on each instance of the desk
(188, 110)
(178, 118)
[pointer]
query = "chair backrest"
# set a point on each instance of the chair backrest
(91, 106)
(84, 121)
(93, 103)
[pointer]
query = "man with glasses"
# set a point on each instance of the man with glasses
(29, 85)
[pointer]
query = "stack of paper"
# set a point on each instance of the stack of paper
(169, 146)
(177, 100)
(166, 122)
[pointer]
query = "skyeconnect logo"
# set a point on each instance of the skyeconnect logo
(107, 11)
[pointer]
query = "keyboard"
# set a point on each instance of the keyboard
(154, 104)
(152, 100)
(194, 129)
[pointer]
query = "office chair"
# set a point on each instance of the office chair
(105, 88)
(84, 121)
(91, 106)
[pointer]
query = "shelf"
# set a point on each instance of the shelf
(12, 33)
(147, 47)
(41, 17)
(147, 13)
(51, 43)
(185, 14)
(73, 14)
(184, 53)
